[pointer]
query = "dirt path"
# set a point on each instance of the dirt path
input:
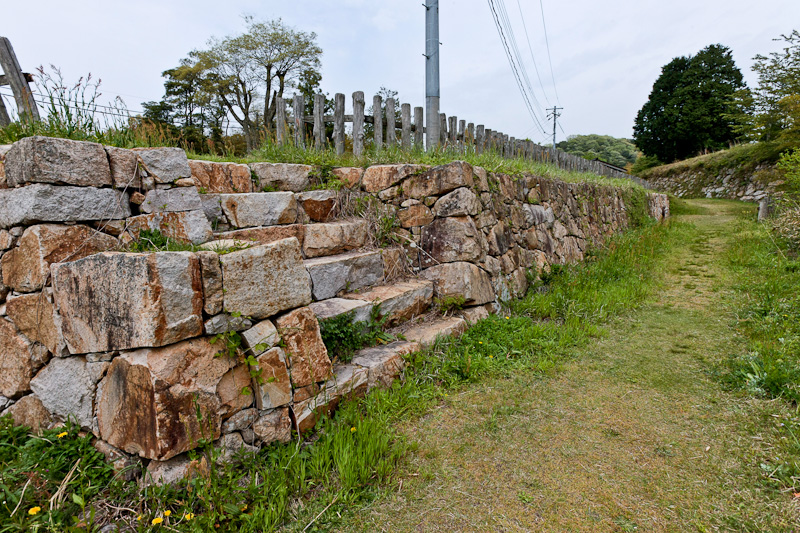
(633, 434)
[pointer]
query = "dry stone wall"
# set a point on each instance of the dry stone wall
(730, 183)
(131, 346)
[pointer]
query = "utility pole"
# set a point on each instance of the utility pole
(432, 73)
(555, 114)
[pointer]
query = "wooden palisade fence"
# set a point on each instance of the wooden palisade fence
(455, 133)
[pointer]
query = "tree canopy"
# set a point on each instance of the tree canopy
(690, 107)
(618, 152)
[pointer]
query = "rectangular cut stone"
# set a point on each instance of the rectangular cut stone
(211, 271)
(164, 165)
(272, 426)
(117, 301)
(214, 177)
(439, 180)
(282, 176)
(259, 209)
(451, 239)
(400, 301)
(334, 238)
(426, 334)
(384, 363)
(26, 268)
(50, 203)
(333, 307)
(148, 402)
(67, 388)
(379, 177)
(266, 235)
(318, 205)
(273, 386)
(261, 337)
(308, 357)
(349, 271)
(34, 315)
(187, 226)
(348, 381)
(261, 281)
(461, 279)
(60, 161)
(172, 200)
(124, 166)
(17, 354)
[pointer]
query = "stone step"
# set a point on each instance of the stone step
(333, 274)
(399, 301)
(333, 307)
(426, 333)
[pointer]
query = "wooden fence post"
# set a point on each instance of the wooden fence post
(377, 121)
(469, 140)
(338, 123)
(442, 129)
(299, 121)
(391, 128)
(479, 139)
(419, 128)
(280, 121)
(405, 123)
(358, 123)
(453, 127)
(26, 105)
(5, 120)
(319, 121)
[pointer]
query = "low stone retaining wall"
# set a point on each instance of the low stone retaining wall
(135, 347)
(729, 183)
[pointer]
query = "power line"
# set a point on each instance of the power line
(549, 59)
(117, 112)
(530, 49)
(515, 49)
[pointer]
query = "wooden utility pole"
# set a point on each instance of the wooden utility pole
(26, 106)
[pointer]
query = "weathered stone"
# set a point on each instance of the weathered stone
(212, 207)
(282, 176)
(172, 200)
(186, 226)
(211, 273)
(29, 411)
(334, 238)
(333, 307)
(124, 166)
(117, 301)
(459, 202)
(308, 357)
(460, 279)
(148, 403)
(230, 446)
(318, 205)
(5, 402)
(348, 271)
(17, 356)
(542, 216)
(67, 387)
(26, 268)
(4, 148)
(510, 187)
(174, 470)
(379, 177)
(427, 333)
(234, 390)
(227, 178)
(273, 385)
(414, 216)
(241, 420)
(122, 463)
(348, 381)
(390, 194)
(482, 178)
(59, 161)
(260, 337)
(439, 180)
(350, 176)
(223, 246)
(51, 203)
(164, 165)
(305, 393)
(474, 314)
(450, 239)
(519, 282)
(264, 280)
(499, 239)
(395, 263)
(185, 182)
(384, 363)
(224, 322)
(266, 235)
(259, 209)
(111, 227)
(274, 426)
(6, 240)
(485, 219)
(34, 316)
(400, 301)
(137, 198)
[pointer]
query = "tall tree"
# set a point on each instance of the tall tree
(689, 109)
(618, 152)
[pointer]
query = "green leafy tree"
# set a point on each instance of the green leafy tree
(618, 152)
(690, 106)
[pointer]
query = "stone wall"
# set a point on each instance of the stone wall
(128, 344)
(687, 181)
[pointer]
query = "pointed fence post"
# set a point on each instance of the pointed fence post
(280, 121)
(338, 123)
(319, 121)
(358, 123)
(377, 121)
(405, 126)
(419, 128)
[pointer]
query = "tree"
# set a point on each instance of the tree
(618, 152)
(772, 109)
(689, 109)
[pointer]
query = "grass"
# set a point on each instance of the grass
(343, 335)
(351, 456)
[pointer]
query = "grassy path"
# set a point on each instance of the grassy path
(632, 434)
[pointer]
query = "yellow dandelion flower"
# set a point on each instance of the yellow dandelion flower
(34, 510)
(352, 429)
(507, 318)
(139, 518)
(62, 435)
(491, 357)
(167, 513)
(156, 521)
(480, 342)
(188, 516)
(244, 508)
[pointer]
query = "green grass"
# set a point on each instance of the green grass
(343, 335)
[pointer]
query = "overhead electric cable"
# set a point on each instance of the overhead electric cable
(549, 59)
(530, 49)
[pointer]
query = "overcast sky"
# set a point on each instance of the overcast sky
(605, 55)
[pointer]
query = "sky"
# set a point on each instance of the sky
(604, 56)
